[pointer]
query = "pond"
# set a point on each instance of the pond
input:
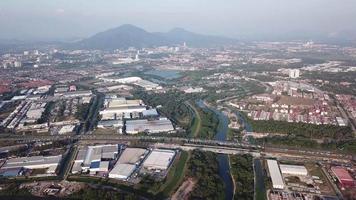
(166, 74)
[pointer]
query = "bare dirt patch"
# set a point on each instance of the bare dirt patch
(184, 190)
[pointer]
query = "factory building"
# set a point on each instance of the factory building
(159, 159)
(340, 121)
(147, 85)
(118, 108)
(149, 126)
(275, 174)
(66, 129)
(294, 170)
(123, 110)
(343, 176)
(34, 162)
(94, 158)
(73, 94)
(150, 113)
(122, 171)
(127, 163)
(294, 73)
(111, 124)
(122, 102)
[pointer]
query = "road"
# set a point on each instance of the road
(228, 147)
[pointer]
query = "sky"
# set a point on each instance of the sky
(65, 19)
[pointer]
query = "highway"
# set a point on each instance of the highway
(226, 147)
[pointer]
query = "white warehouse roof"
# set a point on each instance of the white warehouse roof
(294, 170)
(33, 162)
(277, 180)
(122, 171)
(159, 159)
(131, 155)
(151, 126)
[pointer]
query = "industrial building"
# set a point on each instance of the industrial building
(122, 110)
(94, 158)
(149, 126)
(122, 102)
(343, 176)
(66, 129)
(159, 159)
(117, 107)
(275, 174)
(35, 112)
(294, 73)
(150, 113)
(34, 162)
(297, 170)
(340, 121)
(127, 163)
(122, 171)
(82, 93)
(147, 85)
(110, 124)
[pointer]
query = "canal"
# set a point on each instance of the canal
(223, 159)
(260, 189)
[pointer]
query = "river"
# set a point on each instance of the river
(223, 159)
(260, 189)
(247, 126)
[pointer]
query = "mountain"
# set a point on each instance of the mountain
(127, 35)
(179, 35)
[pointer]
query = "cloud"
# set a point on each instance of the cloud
(60, 11)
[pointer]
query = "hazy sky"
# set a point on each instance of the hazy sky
(23, 19)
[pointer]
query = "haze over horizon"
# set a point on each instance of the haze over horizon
(253, 19)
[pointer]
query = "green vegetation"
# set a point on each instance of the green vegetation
(103, 194)
(12, 190)
(243, 175)
(173, 105)
(234, 134)
(195, 123)
(285, 141)
(302, 129)
(203, 166)
(46, 114)
(82, 111)
(334, 79)
(209, 123)
(111, 183)
(348, 146)
(175, 176)
(298, 142)
(238, 89)
(92, 115)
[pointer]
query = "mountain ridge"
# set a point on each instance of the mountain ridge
(128, 35)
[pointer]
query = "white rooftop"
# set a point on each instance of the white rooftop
(159, 159)
(122, 171)
(275, 174)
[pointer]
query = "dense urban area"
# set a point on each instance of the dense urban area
(255, 120)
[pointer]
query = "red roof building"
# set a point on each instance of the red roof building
(72, 88)
(343, 176)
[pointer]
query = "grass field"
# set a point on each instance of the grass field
(175, 176)
(196, 124)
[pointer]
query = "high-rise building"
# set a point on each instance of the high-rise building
(17, 64)
(294, 73)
